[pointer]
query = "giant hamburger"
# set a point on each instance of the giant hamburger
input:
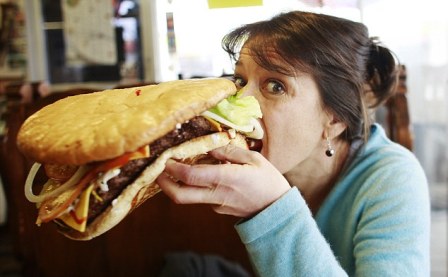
(103, 151)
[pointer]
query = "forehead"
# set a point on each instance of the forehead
(268, 53)
(269, 59)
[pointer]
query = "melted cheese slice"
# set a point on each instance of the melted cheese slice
(77, 219)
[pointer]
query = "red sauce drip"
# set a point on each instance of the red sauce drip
(78, 220)
(138, 92)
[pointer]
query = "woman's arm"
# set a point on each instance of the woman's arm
(284, 240)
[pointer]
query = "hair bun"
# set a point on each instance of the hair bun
(381, 71)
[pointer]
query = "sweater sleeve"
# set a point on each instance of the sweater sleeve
(284, 240)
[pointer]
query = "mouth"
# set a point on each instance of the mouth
(255, 144)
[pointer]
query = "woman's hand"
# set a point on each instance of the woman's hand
(242, 186)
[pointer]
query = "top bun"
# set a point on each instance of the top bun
(102, 125)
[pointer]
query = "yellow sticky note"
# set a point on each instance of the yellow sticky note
(214, 4)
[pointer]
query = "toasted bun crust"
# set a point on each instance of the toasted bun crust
(102, 125)
(145, 187)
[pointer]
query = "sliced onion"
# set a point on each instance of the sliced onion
(43, 196)
(253, 130)
(29, 182)
(258, 131)
(246, 128)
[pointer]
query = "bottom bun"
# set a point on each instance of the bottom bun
(144, 187)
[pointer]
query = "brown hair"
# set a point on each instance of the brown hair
(338, 53)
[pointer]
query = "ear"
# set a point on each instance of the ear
(333, 126)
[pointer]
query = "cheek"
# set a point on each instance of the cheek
(281, 143)
(289, 141)
(286, 150)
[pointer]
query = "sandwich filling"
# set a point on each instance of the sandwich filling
(105, 191)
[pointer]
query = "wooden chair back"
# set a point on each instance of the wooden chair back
(398, 122)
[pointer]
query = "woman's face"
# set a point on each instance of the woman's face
(293, 117)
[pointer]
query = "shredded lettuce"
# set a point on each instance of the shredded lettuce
(237, 109)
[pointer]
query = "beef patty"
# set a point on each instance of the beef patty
(196, 127)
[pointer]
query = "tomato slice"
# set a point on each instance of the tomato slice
(60, 172)
(54, 207)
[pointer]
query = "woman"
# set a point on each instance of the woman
(329, 194)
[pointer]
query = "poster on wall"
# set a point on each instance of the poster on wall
(89, 27)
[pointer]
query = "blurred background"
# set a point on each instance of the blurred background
(105, 43)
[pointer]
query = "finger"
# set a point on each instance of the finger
(222, 209)
(235, 154)
(200, 175)
(182, 193)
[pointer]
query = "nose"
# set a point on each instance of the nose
(249, 90)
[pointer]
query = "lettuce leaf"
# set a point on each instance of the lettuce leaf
(238, 109)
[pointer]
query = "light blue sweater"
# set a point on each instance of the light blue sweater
(375, 222)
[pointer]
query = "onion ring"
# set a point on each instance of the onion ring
(253, 130)
(42, 197)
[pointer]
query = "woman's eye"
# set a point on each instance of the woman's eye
(275, 87)
(239, 82)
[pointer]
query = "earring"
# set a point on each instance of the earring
(330, 151)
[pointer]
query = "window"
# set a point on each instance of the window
(87, 42)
